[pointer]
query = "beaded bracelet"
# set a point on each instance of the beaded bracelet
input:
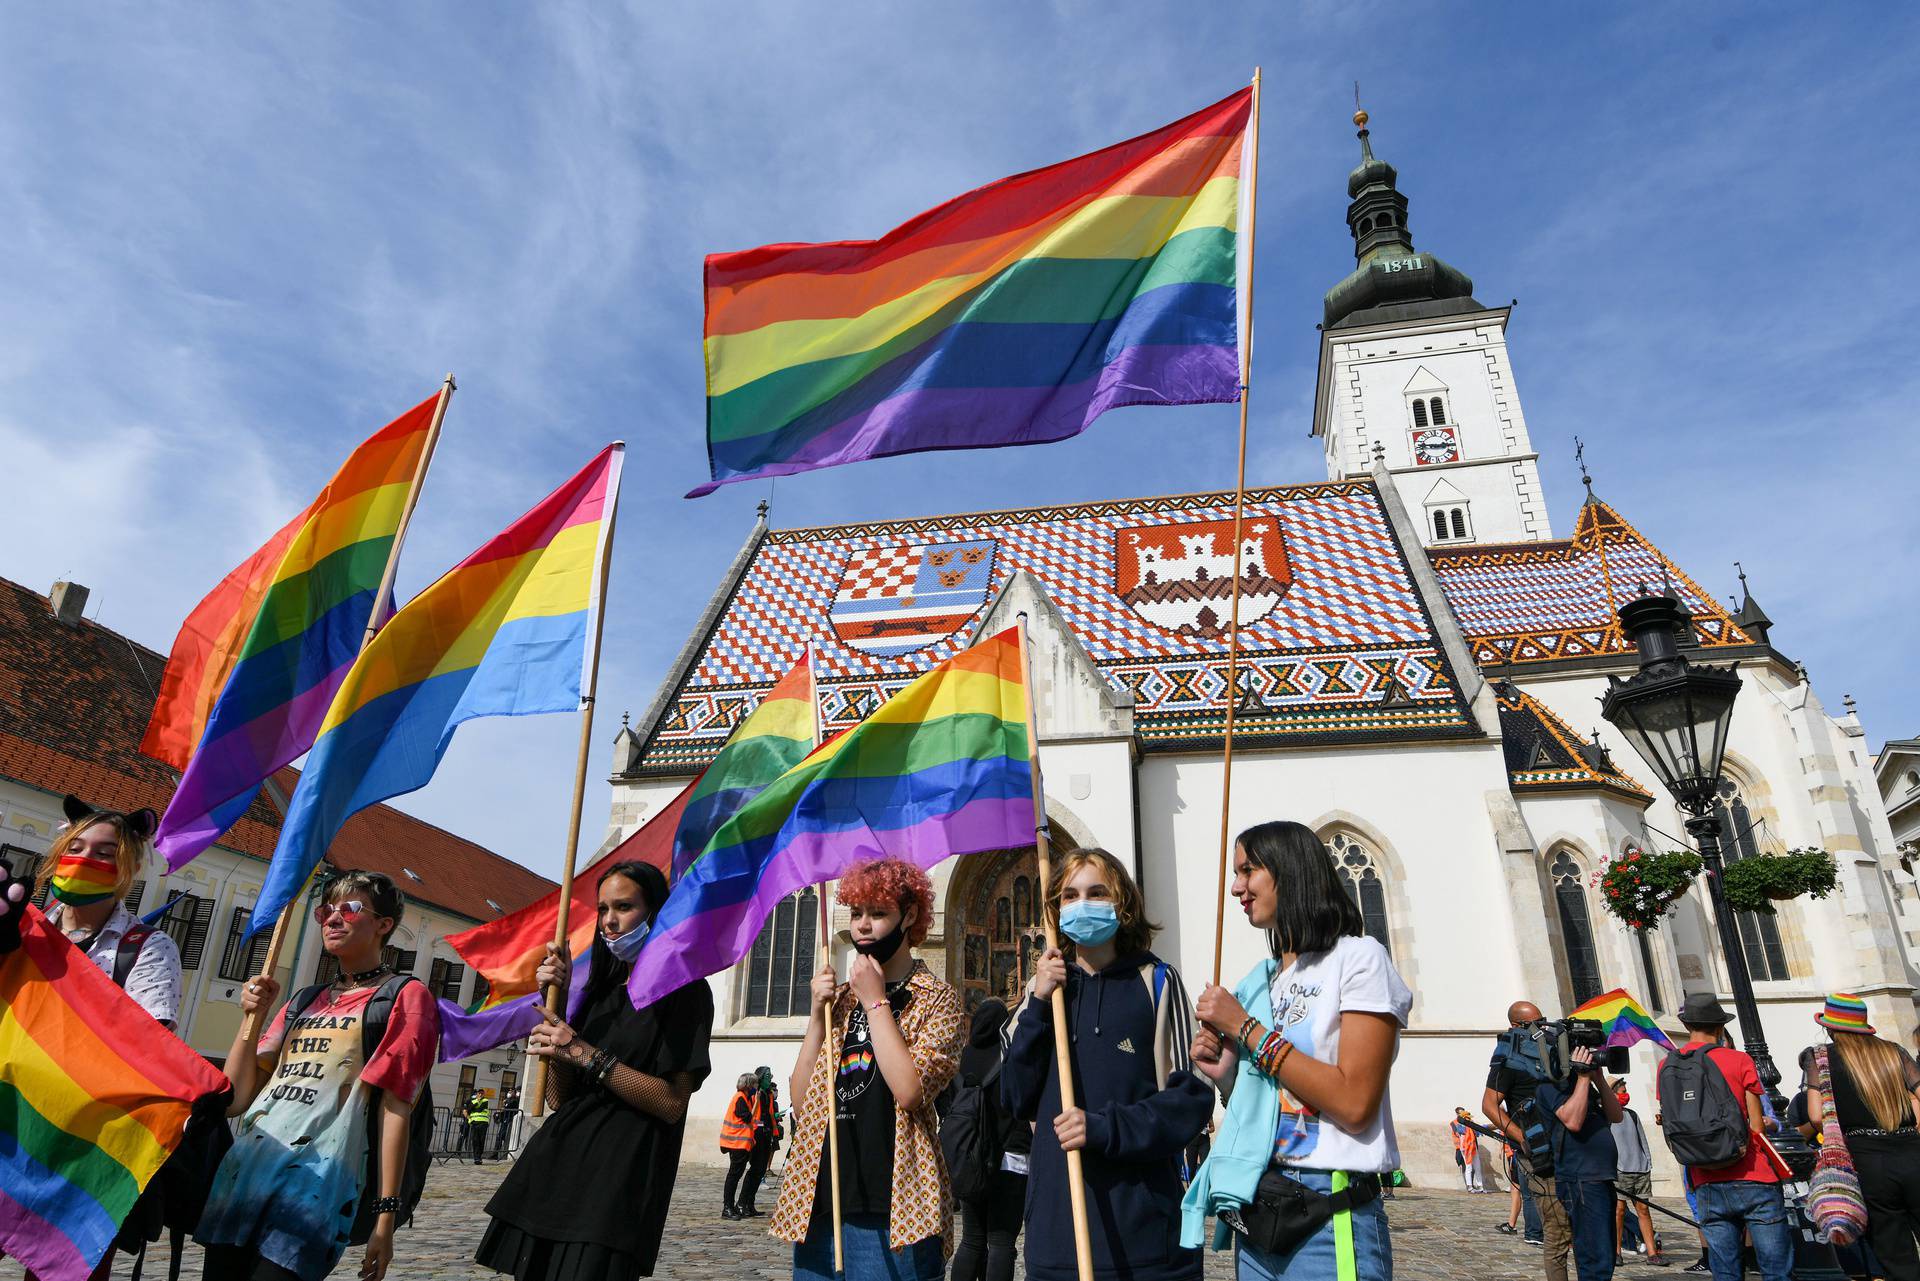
(1272, 1053)
(1246, 1028)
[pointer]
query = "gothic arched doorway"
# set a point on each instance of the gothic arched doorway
(994, 923)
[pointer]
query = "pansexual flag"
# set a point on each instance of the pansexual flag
(93, 1098)
(1624, 1018)
(258, 660)
(509, 631)
(1012, 315)
(940, 769)
(772, 740)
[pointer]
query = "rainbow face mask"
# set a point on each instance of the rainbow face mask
(80, 879)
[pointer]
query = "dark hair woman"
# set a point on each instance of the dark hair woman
(587, 1200)
(286, 1197)
(1301, 1050)
(990, 1222)
(1873, 1087)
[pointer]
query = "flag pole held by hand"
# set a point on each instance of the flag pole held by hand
(1076, 1175)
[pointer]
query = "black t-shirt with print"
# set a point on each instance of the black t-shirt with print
(864, 1110)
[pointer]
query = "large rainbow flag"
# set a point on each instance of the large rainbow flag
(93, 1097)
(1013, 315)
(509, 631)
(1625, 1019)
(772, 740)
(256, 662)
(940, 769)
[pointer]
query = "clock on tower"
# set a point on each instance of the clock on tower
(1435, 445)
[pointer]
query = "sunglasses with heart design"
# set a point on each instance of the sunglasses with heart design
(350, 910)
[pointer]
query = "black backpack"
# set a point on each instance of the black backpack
(971, 1136)
(1702, 1119)
(413, 1180)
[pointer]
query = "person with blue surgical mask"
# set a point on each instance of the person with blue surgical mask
(1140, 1104)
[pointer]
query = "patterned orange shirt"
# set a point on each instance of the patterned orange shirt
(934, 1029)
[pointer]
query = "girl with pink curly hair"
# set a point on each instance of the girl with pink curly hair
(897, 1036)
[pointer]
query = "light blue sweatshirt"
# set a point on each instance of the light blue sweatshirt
(1243, 1148)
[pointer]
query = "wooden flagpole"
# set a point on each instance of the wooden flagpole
(1252, 179)
(374, 620)
(1063, 1052)
(826, 955)
(538, 1105)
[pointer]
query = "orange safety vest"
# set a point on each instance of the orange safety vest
(736, 1135)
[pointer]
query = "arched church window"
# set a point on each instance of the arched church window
(1439, 409)
(1459, 523)
(1360, 877)
(1440, 522)
(780, 966)
(1576, 927)
(1419, 412)
(1366, 225)
(1740, 833)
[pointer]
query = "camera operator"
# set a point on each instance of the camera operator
(1580, 1112)
(1509, 1103)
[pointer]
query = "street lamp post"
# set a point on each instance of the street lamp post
(1675, 714)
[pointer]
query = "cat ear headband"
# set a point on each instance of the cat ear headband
(142, 822)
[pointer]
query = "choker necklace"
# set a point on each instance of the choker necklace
(365, 976)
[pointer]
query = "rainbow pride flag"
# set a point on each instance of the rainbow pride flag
(509, 631)
(772, 740)
(257, 661)
(1625, 1019)
(940, 769)
(93, 1097)
(1013, 315)
(506, 952)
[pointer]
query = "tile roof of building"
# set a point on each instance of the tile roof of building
(74, 702)
(1545, 755)
(1552, 601)
(1336, 641)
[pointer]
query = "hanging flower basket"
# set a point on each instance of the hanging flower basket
(1639, 888)
(1755, 884)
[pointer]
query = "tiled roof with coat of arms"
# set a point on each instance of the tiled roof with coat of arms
(1522, 603)
(1337, 643)
(1545, 755)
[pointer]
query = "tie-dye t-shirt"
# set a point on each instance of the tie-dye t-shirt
(1309, 996)
(291, 1184)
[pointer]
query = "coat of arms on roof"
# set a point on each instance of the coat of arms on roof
(894, 600)
(1180, 577)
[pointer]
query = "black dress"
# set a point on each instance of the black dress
(587, 1200)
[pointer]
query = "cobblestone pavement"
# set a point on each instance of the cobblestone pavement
(1447, 1236)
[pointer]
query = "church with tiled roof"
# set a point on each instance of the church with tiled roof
(1418, 680)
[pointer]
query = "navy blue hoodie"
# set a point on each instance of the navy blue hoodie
(1136, 1129)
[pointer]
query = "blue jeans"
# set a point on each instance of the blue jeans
(1589, 1204)
(863, 1242)
(1726, 1208)
(1532, 1227)
(1314, 1259)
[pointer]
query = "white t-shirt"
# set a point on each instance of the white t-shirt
(1309, 997)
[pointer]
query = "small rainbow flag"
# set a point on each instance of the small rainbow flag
(1013, 315)
(940, 769)
(93, 1098)
(772, 740)
(258, 660)
(508, 951)
(509, 631)
(1625, 1019)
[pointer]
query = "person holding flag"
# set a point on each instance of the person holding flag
(898, 1031)
(587, 1200)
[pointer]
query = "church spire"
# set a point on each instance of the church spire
(1389, 272)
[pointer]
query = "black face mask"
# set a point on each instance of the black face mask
(883, 948)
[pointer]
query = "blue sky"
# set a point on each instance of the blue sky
(238, 240)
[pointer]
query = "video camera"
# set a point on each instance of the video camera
(1545, 1048)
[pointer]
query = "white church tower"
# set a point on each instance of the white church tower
(1414, 372)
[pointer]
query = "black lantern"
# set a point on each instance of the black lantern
(1674, 713)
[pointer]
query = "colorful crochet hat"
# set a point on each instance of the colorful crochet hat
(1845, 1012)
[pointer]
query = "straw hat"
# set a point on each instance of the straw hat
(1845, 1012)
